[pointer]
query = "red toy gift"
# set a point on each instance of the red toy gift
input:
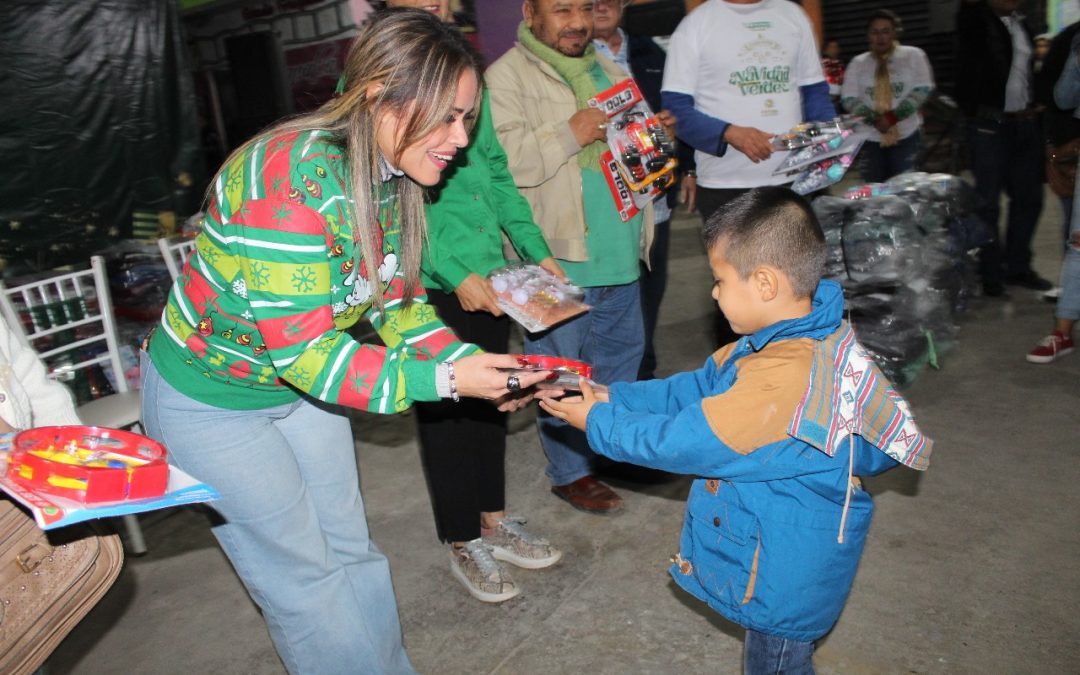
(89, 464)
(569, 371)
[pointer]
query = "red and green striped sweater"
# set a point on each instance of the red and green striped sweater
(261, 309)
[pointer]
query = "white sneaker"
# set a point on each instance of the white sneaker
(476, 569)
(512, 543)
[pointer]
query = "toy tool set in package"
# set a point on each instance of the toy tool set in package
(640, 162)
(534, 297)
(820, 153)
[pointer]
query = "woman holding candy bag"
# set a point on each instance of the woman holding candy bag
(463, 447)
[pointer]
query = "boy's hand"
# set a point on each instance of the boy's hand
(574, 410)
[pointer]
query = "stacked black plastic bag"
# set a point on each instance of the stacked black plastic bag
(904, 253)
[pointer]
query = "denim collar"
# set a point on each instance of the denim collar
(823, 319)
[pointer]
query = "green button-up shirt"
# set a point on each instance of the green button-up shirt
(476, 204)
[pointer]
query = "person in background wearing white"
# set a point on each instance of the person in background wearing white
(739, 72)
(885, 87)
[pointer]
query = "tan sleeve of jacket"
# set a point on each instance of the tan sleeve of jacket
(521, 96)
(759, 406)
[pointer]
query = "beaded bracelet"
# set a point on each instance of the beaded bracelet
(453, 382)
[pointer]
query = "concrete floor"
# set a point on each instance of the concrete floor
(967, 568)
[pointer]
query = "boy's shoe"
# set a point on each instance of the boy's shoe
(514, 544)
(1050, 348)
(482, 575)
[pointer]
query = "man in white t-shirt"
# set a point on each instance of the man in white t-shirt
(738, 72)
(885, 87)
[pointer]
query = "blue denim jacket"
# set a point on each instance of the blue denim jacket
(760, 536)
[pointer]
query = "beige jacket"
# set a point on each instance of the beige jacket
(531, 106)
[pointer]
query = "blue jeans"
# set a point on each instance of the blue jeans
(1068, 304)
(611, 337)
(879, 163)
(1009, 156)
(771, 655)
(295, 529)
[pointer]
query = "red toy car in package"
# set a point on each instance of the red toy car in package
(640, 163)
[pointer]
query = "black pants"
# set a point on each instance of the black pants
(1007, 156)
(653, 281)
(463, 445)
(709, 201)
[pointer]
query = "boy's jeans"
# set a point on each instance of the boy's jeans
(295, 529)
(772, 655)
(611, 337)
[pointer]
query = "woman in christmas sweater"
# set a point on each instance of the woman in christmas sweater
(311, 226)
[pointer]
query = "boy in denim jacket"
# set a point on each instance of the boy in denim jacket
(776, 426)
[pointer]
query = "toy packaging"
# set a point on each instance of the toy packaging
(811, 133)
(570, 371)
(820, 153)
(67, 475)
(534, 297)
(640, 163)
(89, 464)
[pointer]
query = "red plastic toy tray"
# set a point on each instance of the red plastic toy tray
(89, 464)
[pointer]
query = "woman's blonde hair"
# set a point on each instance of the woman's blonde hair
(413, 62)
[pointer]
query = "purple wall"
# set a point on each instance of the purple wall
(496, 24)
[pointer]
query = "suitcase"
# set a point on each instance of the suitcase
(48, 582)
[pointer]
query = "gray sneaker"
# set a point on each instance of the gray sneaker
(480, 573)
(512, 543)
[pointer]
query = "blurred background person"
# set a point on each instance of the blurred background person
(833, 66)
(994, 57)
(885, 87)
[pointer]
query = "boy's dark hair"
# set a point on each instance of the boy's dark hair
(771, 226)
(888, 15)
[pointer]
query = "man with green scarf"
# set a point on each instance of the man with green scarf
(539, 91)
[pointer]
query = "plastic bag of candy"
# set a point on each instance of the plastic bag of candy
(534, 297)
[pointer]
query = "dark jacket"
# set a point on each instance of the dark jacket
(983, 59)
(1059, 126)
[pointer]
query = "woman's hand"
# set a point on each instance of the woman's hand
(549, 263)
(478, 376)
(476, 295)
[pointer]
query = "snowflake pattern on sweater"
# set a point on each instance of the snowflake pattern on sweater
(261, 311)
